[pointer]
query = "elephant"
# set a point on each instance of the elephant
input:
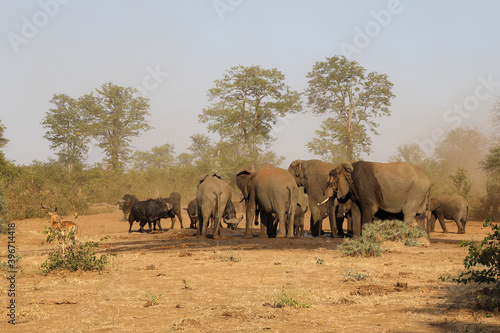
(393, 188)
(450, 207)
(298, 221)
(212, 196)
(175, 201)
(313, 176)
(269, 191)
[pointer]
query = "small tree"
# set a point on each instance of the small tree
(410, 153)
(161, 157)
(245, 104)
(461, 181)
(67, 130)
(114, 116)
(341, 88)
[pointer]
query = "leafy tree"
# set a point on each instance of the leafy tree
(115, 116)
(491, 163)
(461, 181)
(461, 147)
(341, 88)
(203, 152)
(160, 157)
(410, 153)
(3, 140)
(67, 130)
(245, 104)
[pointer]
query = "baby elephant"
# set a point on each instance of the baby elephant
(450, 207)
(298, 221)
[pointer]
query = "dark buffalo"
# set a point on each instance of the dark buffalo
(192, 210)
(175, 201)
(229, 216)
(149, 211)
(126, 203)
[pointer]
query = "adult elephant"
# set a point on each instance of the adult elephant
(313, 176)
(212, 197)
(271, 191)
(389, 187)
(450, 207)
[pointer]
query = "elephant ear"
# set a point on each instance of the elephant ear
(202, 179)
(435, 203)
(297, 168)
(344, 179)
(243, 179)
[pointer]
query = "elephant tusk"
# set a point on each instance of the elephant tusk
(323, 202)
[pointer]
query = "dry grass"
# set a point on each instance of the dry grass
(200, 285)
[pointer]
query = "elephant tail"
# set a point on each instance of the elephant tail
(291, 208)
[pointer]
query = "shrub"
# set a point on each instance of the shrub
(369, 244)
(294, 299)
(71, 254)
(360, 247)
(482, 264)
(392, 230)
(352, 275)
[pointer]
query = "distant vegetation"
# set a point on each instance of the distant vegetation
(243, 106)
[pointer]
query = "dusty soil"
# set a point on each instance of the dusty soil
(228, 285)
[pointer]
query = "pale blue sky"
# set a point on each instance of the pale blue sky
(438, 54)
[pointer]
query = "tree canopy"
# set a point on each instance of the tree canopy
(245, 104)
(342, 89)
(114, 116)
(67, 130)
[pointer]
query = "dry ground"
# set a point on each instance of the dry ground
(200, 289)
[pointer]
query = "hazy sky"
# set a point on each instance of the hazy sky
(442, 56)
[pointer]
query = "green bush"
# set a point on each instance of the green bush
(375, 233)
(293, 298)
(482, 264)
(71, 254)
(392, 230)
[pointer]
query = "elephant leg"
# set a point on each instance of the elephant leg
(440, 217)
(459, 225)
(266, 228)
(217, 222)
(350, 231)
(251, 216)
(356, 220)
(206, 217)
(281, 220)
(199, 225)
(432, 222)
(368, 213)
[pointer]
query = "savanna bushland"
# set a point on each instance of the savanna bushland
(243, 106)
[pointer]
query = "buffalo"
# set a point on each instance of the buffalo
(149, 211)
(126, 203)
(192, 210)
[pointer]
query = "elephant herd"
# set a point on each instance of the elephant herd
(358, 190)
